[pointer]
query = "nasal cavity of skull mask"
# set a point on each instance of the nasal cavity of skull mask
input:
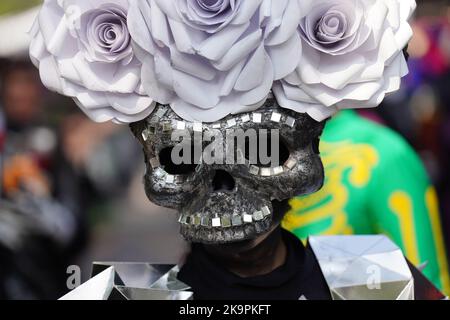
(223, 181)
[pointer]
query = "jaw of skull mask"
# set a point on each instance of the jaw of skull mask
(226, 202)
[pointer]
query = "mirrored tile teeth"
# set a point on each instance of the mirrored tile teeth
(226, 221)
(237, 220)
(265, 172)
(277, 170)
(196, 221)
(248, 218)
(258, 215)
(206, 222)
(216, 223)
(266, 211)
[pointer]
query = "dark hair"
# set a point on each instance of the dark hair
(405, 52)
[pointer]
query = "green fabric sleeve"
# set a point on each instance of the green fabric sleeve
(406, 209)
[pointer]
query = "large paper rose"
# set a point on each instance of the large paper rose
(210, 58)
(83, 50)
(352, 55)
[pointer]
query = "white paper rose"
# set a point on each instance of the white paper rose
(211, 58)
(352, 55)
(83, 50)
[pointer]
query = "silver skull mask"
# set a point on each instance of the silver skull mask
(224, 203)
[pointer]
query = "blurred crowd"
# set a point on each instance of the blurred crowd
(421, 110)
(68, 186)
(66, 182)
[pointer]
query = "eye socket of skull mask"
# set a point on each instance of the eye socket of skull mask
(223, 202)
(165, 159)
(282, 156)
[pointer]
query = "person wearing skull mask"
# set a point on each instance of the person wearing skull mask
(232, 212)
(205, 68)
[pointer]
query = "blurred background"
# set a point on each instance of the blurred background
(72, 189)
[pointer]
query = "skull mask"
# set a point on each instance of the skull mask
(225, 203)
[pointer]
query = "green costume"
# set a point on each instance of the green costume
(375, 183)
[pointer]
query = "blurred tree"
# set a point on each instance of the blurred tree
(13, 6)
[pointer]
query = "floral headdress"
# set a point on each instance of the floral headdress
(211, 58)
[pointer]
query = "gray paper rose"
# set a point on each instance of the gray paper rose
(352, 55)
(211, 58)
(83, 50)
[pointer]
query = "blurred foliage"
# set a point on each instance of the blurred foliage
(13, 6)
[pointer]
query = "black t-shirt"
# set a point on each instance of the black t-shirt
(299, 277)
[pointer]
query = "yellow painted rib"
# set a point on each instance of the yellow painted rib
(401, 204)
(432, 204)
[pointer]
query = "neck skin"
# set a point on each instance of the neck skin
(252, 258)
